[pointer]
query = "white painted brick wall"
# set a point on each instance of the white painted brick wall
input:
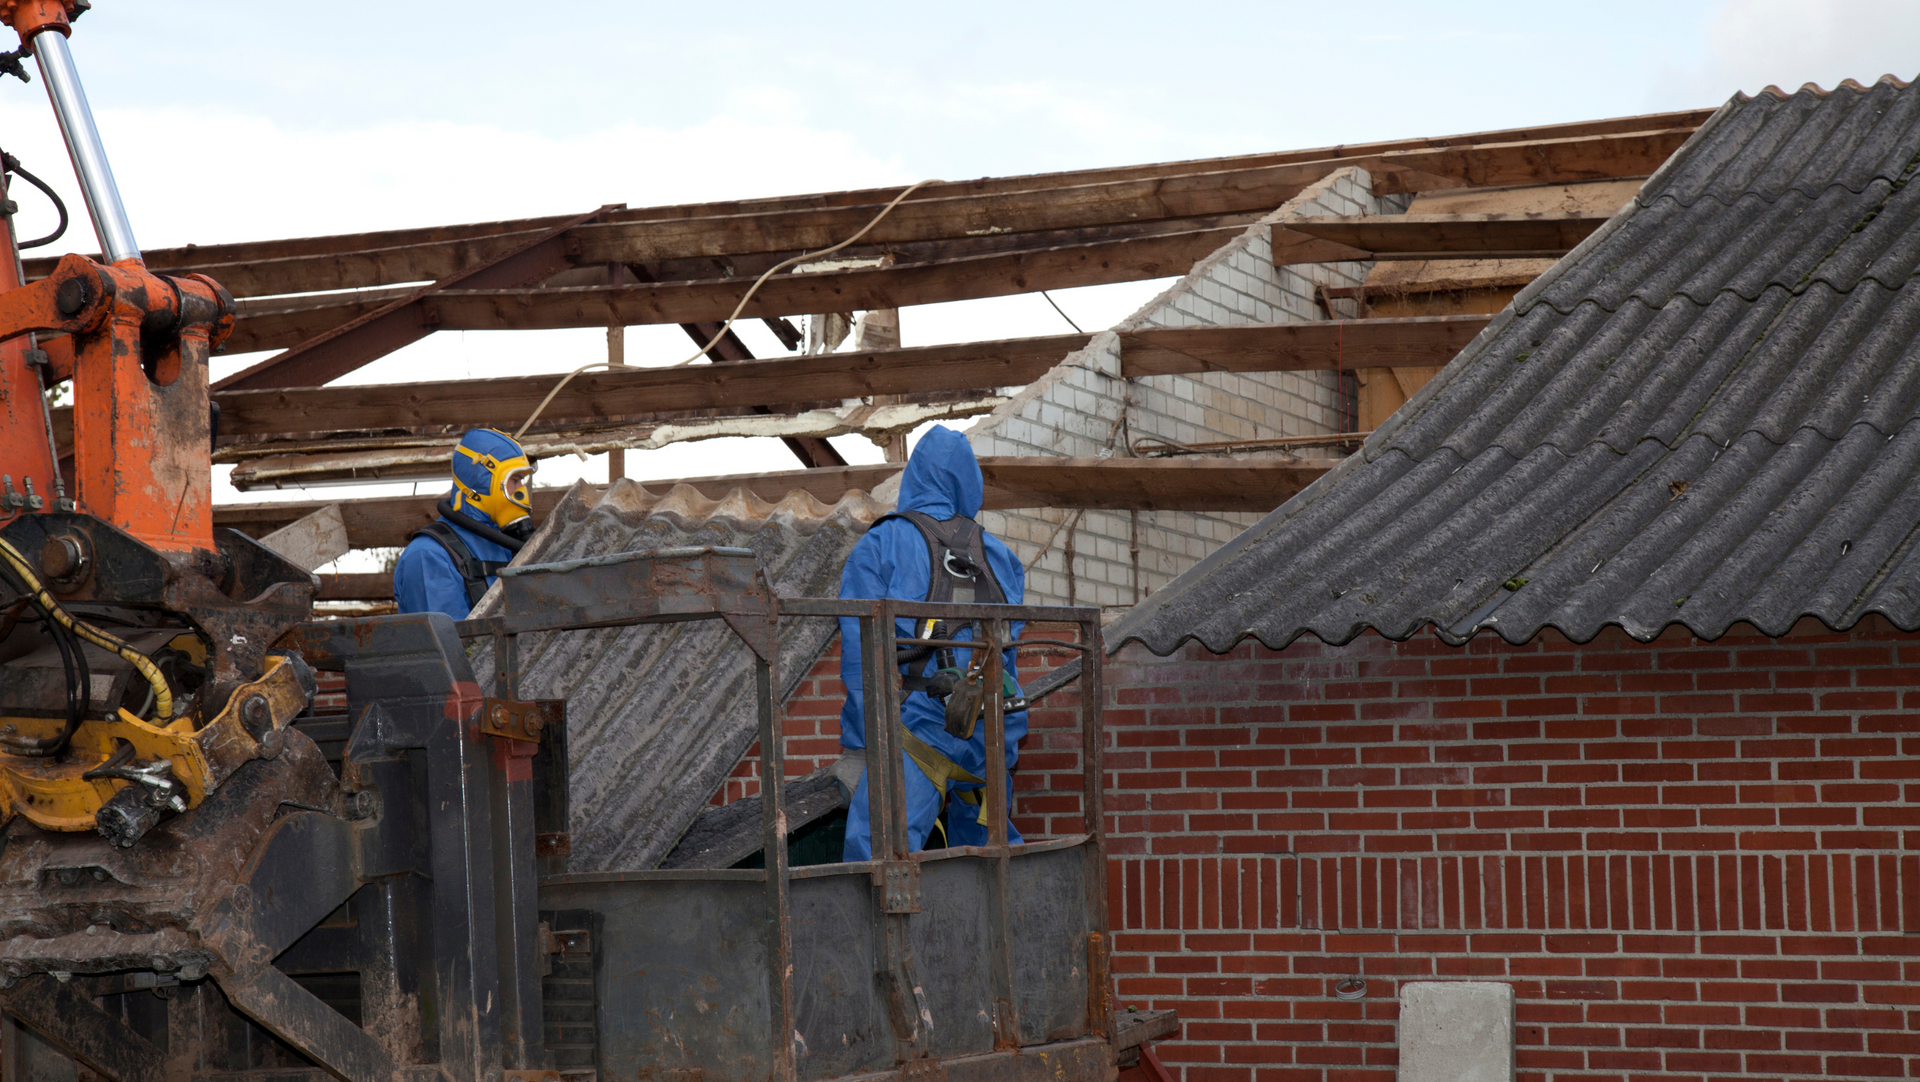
(1075, 410)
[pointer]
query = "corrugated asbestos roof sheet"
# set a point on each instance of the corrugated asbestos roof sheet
(1703, 415)
(658, 715)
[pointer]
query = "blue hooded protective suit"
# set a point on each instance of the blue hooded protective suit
(425, 579)
(942, 480)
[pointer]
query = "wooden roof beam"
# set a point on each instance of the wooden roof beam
(1185, 484)
(352, 345)
(784, 383)
(1099, 263)
(197, 256)
(965, 216)
(1335, 239)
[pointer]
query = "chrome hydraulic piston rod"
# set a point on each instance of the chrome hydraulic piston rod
(89, 155)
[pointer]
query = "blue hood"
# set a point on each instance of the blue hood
(942, 478)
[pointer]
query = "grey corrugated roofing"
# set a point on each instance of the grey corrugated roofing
(1705, 414)
(658, 715)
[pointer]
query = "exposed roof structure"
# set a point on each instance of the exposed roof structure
(1703, 415)
(658, 714)
(1231, 388)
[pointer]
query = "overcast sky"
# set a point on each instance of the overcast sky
(231, 121)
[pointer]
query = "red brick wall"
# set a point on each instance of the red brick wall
(1691, 859)
(812, 732)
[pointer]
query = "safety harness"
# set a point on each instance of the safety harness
(473, 570)
(960, 575)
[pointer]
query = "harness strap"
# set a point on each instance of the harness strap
(944, 772)
(473, 571)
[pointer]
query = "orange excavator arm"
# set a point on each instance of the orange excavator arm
(136, 346)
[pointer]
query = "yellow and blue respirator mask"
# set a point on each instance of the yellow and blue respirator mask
(491, 474)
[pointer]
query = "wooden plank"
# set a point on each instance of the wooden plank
(957, 216)
(1535, 162)
(791, 383)
(350, 346)
(784, 383)
(610, 395)
(1148, 484)
(196, 256)
(1185, 484)
(1335, 238)
(1542, 161)
(428, 261)
(1370, 343)
(1100, 263)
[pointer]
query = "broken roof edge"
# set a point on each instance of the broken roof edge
(626, 496)
(1524, 300)
(1772, 90)
(1798, 624)
(1140, 615)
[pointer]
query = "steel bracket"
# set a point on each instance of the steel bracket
(512, 719)
(900, 886)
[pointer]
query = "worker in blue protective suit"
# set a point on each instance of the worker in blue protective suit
(449, 564)
(943, 754)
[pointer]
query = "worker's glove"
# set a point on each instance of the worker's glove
(964, 703)
(850, 768)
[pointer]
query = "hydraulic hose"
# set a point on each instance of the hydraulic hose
(162, 693)
(73, 663)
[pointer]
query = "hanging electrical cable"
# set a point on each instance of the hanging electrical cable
(737, 309)
(1062, 311)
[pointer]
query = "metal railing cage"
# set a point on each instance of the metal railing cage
(986, 961)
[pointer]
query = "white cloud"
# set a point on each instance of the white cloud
(215, 177)
(1754, 43)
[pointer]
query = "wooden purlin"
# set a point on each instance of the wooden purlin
(787, 383)
(197, 256)
(1185, 484)
(969, 220)
(344, 348)
(1025, 260)
(787, 294)
(1429, 236)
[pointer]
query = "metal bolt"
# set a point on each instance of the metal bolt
(63, 558)
(256, 711)
(71, 297)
